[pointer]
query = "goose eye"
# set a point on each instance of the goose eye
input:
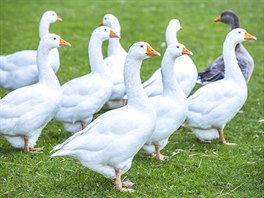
(178, 46)
(239, 32)
(141, 46)
(54, 38)
(105, 29)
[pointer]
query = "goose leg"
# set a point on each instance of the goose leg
(127, 183)
(124, 102)
(26, 145)
(32, 149)
(159, 156)
(83, 125)
(222, 138)
(152, 155)
(119, 184)
(27, 148)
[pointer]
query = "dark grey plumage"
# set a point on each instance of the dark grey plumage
(216, 70)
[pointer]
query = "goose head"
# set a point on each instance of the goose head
(51, 41)
(110, 20)
(175, 50)
(51, 17)
(228, 17)
(142, 50)
(173, 27)
(103, 33)
(175, 24)
(239, 35)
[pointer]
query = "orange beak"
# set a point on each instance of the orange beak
(217, 19)
(113, 34)
(152, 52)
(59, 19)
(64, 43)
(186, 51)
(101, 24)
(249, 36)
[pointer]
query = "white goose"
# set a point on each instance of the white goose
(171, 106)
(185, 70)
(215, 104)
(27, 110)
(20, 69)
(115, 60)
(109, 143)
(86, 95)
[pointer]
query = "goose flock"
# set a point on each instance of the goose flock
(142, 116)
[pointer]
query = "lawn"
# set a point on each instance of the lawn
(194, 169)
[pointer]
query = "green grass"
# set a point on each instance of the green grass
(194, 169)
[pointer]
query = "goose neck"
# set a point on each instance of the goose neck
(169, 82)
(96, 59)
(113, 46)
(46, 74)
(116, 27)
(234, 24)
(135, 92)
(171, 36)
(43, 28)
(232, 70)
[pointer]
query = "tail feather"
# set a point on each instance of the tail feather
(85, 130)
(209, 76)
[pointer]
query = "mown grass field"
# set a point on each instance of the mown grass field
(194, 169)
